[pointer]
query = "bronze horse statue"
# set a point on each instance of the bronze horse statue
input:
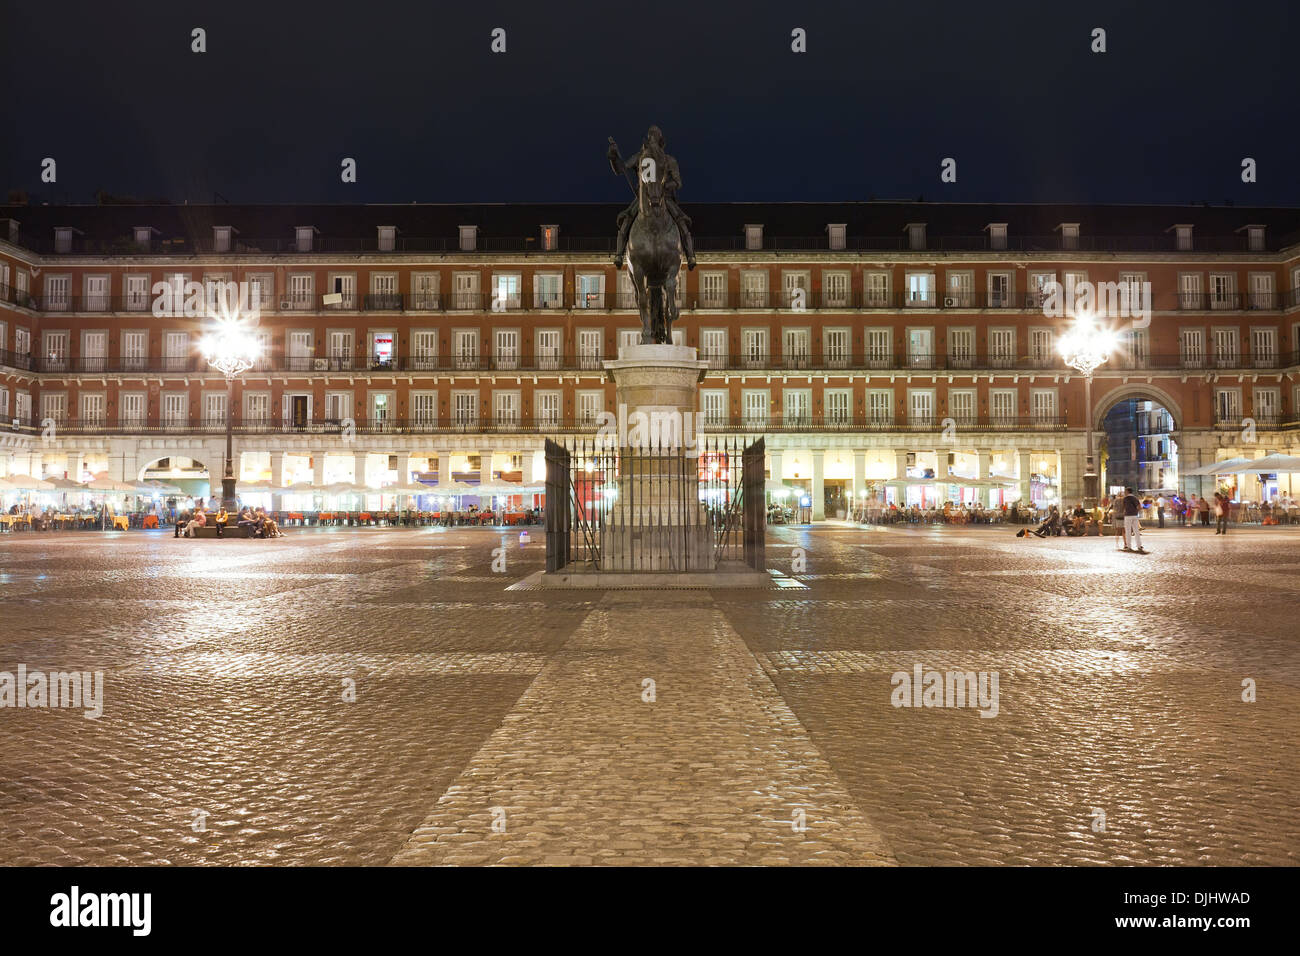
(654, 253)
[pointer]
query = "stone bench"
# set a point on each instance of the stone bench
(210, 531)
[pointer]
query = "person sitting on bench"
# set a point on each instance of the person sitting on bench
(247, 522)
(219, 519)
(200, 520)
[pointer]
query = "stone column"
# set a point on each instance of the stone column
(775, 465)
(859, 474)
(359, 460)
(318, 468)
(941, 475)
(403, 468)
(277, 480)
(819, 485)
(1025, 460)
(444, 468)
(527, 459)
(74, 466)
(984, 462)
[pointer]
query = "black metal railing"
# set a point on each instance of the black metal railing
(651, 509)
(154, 423)
(701, 299)
(755, 361)
(241, 244)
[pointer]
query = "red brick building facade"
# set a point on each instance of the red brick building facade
(867, 341)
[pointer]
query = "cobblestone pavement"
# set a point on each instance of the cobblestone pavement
(516, 727)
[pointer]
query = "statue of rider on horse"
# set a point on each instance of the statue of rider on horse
(654, 232)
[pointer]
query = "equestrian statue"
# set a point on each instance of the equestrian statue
(653, 231)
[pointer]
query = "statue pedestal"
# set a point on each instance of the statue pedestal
(657, 522)
(656, 532)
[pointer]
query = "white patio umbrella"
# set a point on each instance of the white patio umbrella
(110, 485)
(65, 484)
(1269, 463)
(1216, 468)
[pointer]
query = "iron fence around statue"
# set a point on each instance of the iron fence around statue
(649, 509)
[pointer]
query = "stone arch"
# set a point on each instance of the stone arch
(182, 453)
(1138, 390)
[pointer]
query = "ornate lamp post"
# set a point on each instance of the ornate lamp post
(231, 348)
(1084, 348)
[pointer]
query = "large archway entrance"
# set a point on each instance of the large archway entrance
(1139, 449)
(187, 474)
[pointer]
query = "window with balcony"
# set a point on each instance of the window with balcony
(797, 407)
(424, 349)
(961, 290)
(175, 409)
(880, 348)
(875, 292)
(837, 348)
(753, 289)
(301, 291)
(58, 293)
(590, 290)
(1002, 348)
(961, 348)
(796, 288)
(424, 291)
(1267, 403)
(131, 409)
(754, 347)
(1000, 290)
(838, 405)
(589, 348)
(1042, 405)
(94, 352)
(1191, 348)
(549, 348)
(1191, 295)
(214, 410)
(880, 406)
(338, 352)
(713, 347)
(96, 294)
(546, 407)
(1261, 291)
(506, 289)
(713, 290)
(1042, 348)
(1227, 405)
(1263, 348)
(1223, 287)
(713, 407)
(56, 351)
(465, 290)
(505, 350)
(424, 409)
(54, 405)
(754, 404)
(1002, 407)
(464, 408)
(548, 291)
(505, 409)
(835, 289)
(796, 347)
(920, 289)
(590, 405)
(920, 403)
(343, 292)
(92, 408)
(1227, 348)
(961, 406)
(464, 343)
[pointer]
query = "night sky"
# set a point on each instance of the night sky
(884, 93)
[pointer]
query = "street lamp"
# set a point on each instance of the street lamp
(1084, 348)
(231, 348)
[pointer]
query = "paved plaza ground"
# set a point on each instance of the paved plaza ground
(495, 726)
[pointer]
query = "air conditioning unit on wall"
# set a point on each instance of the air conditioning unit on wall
(950, 302)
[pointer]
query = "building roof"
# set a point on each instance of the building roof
(869, 225)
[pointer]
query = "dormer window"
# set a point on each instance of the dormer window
(997, 235)
(63, 238)
(304, 238)
(753, 237)
(915, 235)
(387, 238)
(1255, 238)
(1183, 237)
(836, 231)
(468, 238)
(1069, 235)
(550, 238)
(12, 231)
(144, 236)
(221, 238)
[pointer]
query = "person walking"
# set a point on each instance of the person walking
(1131, 507)
(1188, 509)
(1204, 510)
(1221, 507)
(1160, 510)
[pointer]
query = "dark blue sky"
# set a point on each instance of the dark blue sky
(884, 93)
